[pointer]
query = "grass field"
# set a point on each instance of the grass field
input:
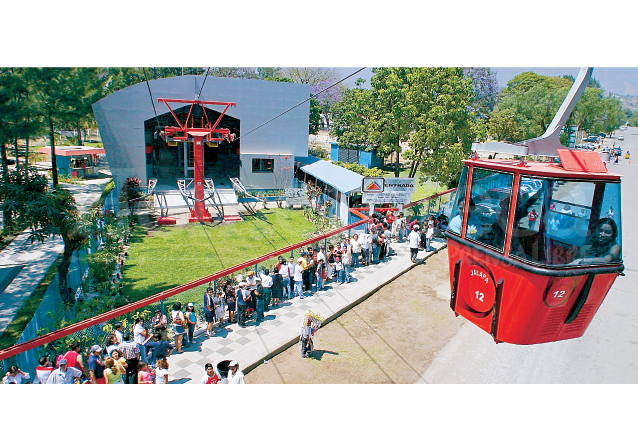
(173, 256)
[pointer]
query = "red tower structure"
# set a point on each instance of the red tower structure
(199, 134)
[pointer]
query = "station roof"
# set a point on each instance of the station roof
(338, 177)
(68, 151)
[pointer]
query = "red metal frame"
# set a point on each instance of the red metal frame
(206, 131)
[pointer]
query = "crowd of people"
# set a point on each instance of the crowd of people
(141, 355)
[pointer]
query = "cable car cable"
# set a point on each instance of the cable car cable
(201, 89)
(302, 102)
(151, 94)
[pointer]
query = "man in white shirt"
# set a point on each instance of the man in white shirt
(298, 278)
(414, 238)
(266, 283)
(64, 374)
(235, 376)
(139, 336)
(365, 240)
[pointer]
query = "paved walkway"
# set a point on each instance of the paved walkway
(24, 264)
(252, 345)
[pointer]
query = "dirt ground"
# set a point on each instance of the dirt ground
(390, 338)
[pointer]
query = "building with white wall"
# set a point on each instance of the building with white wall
(263, 159)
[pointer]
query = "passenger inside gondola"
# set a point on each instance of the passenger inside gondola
(601, 246)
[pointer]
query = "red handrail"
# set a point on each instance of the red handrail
(79, 326)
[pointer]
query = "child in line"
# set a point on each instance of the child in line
(428, 237)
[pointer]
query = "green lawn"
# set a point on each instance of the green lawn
(174, 256)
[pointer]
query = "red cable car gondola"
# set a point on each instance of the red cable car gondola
(535, 247)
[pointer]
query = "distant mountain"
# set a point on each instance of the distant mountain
(622, 81)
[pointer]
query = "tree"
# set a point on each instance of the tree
(426, 107)
(28, 201)
(328, 98)
(485, 86)
(314, 120)
(310, 75)
(444, 124)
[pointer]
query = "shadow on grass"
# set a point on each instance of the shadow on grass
(318, 354)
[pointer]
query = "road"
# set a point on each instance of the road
(606, 353)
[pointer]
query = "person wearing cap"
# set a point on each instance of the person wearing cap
(242, 294)
(235, 376)
(64, 374)
(306, 339)
(298, 277)
(159, 323)
(96, 366)
(414, 238)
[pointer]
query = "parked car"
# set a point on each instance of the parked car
(621, 137)
(616, 151)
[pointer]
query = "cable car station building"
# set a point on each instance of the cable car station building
(130, 122)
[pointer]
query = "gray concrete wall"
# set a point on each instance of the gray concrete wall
(121, 116)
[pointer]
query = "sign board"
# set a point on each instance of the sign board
(296, 197)
(399, 185)
(372, 185)
(386, 197)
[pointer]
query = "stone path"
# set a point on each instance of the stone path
(281, 328)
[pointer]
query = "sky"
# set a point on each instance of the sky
(618, 80)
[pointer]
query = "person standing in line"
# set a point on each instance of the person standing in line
(241, 304)
(251, 284)
(345, 260)
(15, 376)
(113, 372)
(96, 366)
(387, 239)
(64, 374)
(191, 321)
(428, 237)
(330, 262)
(365, 249)
(414, 239)
(74, 358)
(43, 371)
(266, 284)
(284, 272)
(144, 375)
(298, 278)
(339, 270)
(131, 354)
(259, 302)
(118, 332)
(211, 376)
(209, 310)
(355, 251)
(161, 373)
(220, 308)
(235, 376)
(139, 336)
(376, 247)
(177, 316)
(159, 323)
(159, 348)
(277, 286)
(321, 267)
(231, 301)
